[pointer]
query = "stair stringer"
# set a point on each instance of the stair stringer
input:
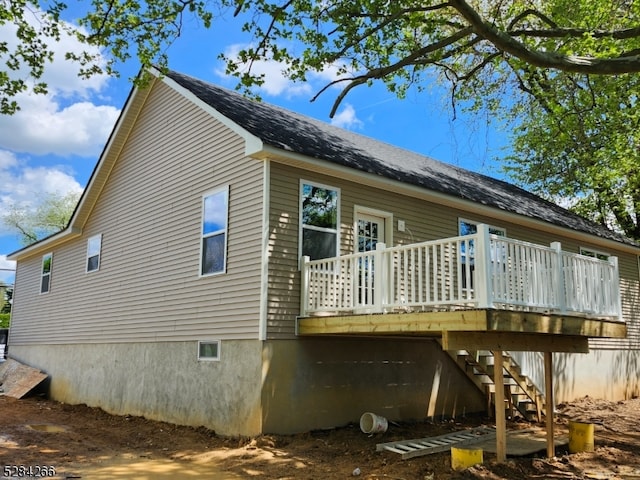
(478, 367)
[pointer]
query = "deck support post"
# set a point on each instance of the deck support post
(501, 421)
(548, 385)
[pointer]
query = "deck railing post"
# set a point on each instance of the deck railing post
(380, 283)
(615, 288)
(304, 286)
(559, 284)
(482, 259)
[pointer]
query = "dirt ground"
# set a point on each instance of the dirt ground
(79, 442)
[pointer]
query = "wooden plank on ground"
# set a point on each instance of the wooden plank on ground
(523, 442)
(16, 379)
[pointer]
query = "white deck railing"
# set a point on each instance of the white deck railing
(471, 271)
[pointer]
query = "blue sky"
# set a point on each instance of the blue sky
(54, 142)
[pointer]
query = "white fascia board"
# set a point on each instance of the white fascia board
(252, 144)
(348, 173)
(45, 244)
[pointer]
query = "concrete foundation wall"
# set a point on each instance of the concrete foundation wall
(608, 374)
(160, 381)
(289, 386)
(327, 382)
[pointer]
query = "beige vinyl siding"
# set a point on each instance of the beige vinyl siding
(284, 276)
(283, 302)
(424, 221)
(148, 287)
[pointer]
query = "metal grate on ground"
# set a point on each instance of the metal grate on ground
(441, 443)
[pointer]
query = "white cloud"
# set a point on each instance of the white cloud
(347, 118)
(25, 185)
(276, 83)
(7, 160)
(44, 127)
(63, 122)
(61, 75)
(6, 270)
(71, 120)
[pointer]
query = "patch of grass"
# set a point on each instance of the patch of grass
(4, 320)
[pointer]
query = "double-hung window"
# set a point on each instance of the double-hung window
(45, 279)
(319, 220)
(94, 245)
(215, 207)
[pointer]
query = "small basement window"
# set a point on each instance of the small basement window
(209, 350)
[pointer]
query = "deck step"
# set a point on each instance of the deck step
(426, 446)
(478, 366)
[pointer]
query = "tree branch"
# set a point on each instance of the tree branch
(381, 72)
(387, 20)
(568, 63)
(531, 12)
(576, 32)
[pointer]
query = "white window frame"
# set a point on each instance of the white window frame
(302, 226)
(223, 190)
(492, 228)
(201, 358)
(98, 254)
(592, 252)
(48, 274)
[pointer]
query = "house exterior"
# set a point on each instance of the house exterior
(183, 288)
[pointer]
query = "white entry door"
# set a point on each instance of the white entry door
(370, 230)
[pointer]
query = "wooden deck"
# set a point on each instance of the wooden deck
(479, 328)
(472, 292)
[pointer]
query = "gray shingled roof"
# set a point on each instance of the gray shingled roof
(293, 132)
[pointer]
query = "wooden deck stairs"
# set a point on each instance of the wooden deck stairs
(522, 397)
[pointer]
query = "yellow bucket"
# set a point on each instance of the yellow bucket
(462, 458)
(580, 437)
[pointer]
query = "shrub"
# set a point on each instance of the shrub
(4, 320)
